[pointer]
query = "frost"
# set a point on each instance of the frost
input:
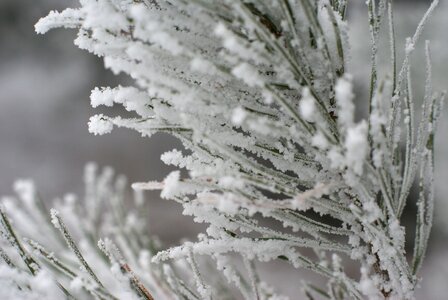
(90, 276)
(55, 218)
(238, 116)
(101, 97)
(409, 46)
(228, 206)
(170, 185)
(357, 147)
(247, 73)
(344, 98)
(320, 141)
(69, 18)
(261, 98)
(76, 284)
(99, 125)
(368, 287)
(307, 106)
(201, 65)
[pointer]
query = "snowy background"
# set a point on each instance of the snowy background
(45, 82)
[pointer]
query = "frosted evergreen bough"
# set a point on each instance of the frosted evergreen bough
(260, 95)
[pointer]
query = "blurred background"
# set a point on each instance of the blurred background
(45, 82)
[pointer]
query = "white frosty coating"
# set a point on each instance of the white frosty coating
(55, 218)
(101, 97)
(379, 118)
(227, 79)
(267, 97)
(247, 73)
(170, 185)
(100, 124)
(238, 116)
(130, 97)
(264, 250)
(235, 44)
(201, 65)
(69, 18)
(320, 141)
(227, 205)
(167, 42)
(397, 233)
(103, 190)
(368, 287)
(307, 105)
(231, 182)
(76, 284)
(409, 46)
(40, 286)
(336, 158)
(300, 201)
(344, 99)
(173, 157)
(150, 185)
(373, 212)
(357, 146)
